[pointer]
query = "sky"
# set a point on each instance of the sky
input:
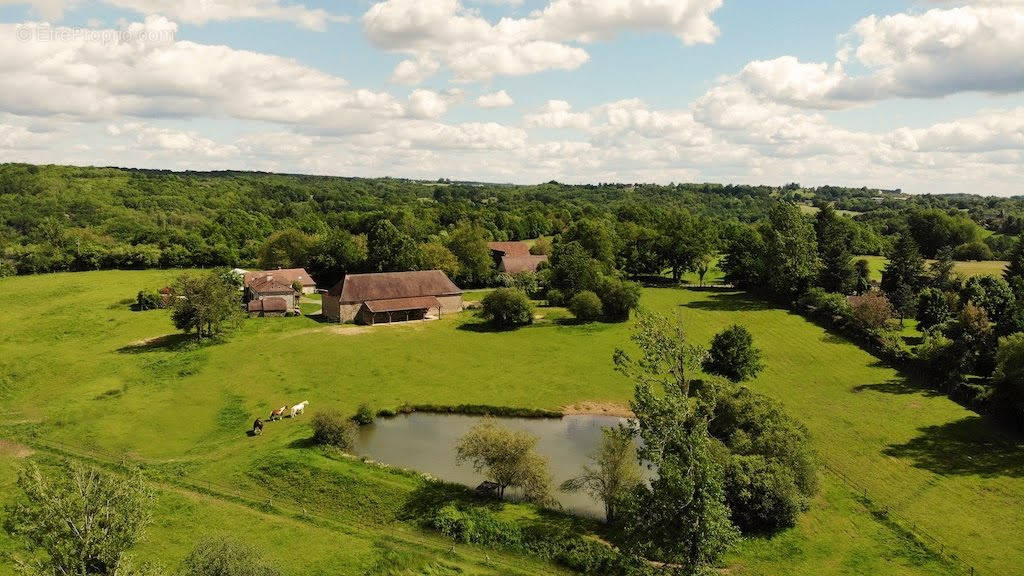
(922, 95)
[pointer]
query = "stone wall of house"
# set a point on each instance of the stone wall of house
(450, 304)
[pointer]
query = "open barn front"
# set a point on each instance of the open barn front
(399, 310)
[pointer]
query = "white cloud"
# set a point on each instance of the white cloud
(558, 114)
(499, 99)
(474, 49)
(430, 104)
(202, 11)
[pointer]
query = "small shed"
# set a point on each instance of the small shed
(398, 310)
(272, 306)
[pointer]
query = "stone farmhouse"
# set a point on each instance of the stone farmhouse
(514, 257)
(391, 297)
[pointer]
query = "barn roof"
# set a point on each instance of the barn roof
(516, 264)
(268, 305)
(270, 285)
(510, 248)
(284, 275)
(403, 304)
(392, 285)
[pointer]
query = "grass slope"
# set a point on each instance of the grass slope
(78, 368)
(968, 269)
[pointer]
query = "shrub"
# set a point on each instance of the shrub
(871, 310)
(225, 557)
(148, 300)
(619, 298)
(973, 251)
(586, 306)
(829, 306)
(364, 415)
(555, 297)
(508, 308)
(525, 281)
(330, 428)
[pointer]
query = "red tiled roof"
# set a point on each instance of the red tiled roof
(510, 248)
(268, 305)
(516, 264)
(284, 275)
(403, 304)
(269, 285)
(392, 285)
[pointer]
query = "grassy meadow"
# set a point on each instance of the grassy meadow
(80, 373)
(968, 269)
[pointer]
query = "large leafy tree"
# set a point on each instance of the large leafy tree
(468, 245)
(681, 517)
(573, 269)
(834, 241)
(206, 305)
(81, 521)
(507, 308)
(1008, 378)
(597, 237)
(336, 254)
(686, 241)
(790, 252)
(742, 263)
(285, 249)
(507, 457)
(389, 249)
(903, 275)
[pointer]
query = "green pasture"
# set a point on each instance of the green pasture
(968, 269)
(81, 372)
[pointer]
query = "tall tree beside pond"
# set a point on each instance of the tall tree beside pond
(613, 472)
(507, 457)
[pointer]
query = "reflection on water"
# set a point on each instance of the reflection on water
(426, 443)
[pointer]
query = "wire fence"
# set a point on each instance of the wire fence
(908, 526)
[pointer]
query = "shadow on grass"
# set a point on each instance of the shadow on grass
(898, 386)
(430, 496)
(968, 446)
(302, 443)
(168, 343)
(319, 318)
(485, 327)
(723, 300)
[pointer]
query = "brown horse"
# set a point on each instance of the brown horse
(278, 413)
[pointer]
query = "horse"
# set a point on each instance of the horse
(257, 427)
(277, 413)
(299, 408)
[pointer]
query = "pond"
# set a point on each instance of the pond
(426, 443)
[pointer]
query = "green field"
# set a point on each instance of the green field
(968, 269)
(81, 373)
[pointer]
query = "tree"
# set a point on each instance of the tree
(597, 238)
(742, 263)
(586, 306)
(935, 229)
(508, 458)
(682, 516)
(224, 556)
(541, 247)
(976, 251)
(942, 269)
(389, 249)
(905, 266)
(508, 308)
(834, 241)
(934, 307)
(1015, 269)
(573, 269)
(685, 241)
(862, 268)
(618, 298)
(733, 355)
(437, 256)
(148, 300)
(1008, 378)
(871, 310)
(335, 255)
(467, 243)
(790, 256)
(285, 249)
(992, 294)
(80, 519)
(207, 305)
(613, 473)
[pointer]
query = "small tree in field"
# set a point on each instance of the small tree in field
(733, 355)
(871, 310)
(206, 305)
(614, 472)
(225, 557)
(586, 306)
(508, 308)
(508, 458)
(81, 520)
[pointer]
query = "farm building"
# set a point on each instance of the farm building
(270, 287)
(271, 306)
(391, 297)
(514, 257)
(285, 276)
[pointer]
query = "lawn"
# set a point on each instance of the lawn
(968, 269)
(78, 369)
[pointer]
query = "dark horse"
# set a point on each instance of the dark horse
(257, 427)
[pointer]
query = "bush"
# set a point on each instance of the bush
(829, 306)
(225, 557)
(148, 300)
(871, 310)
(586, 306)
(973, 251)
(619, 298)
(733, 355)
(330, 428)
(555, 297)
(762, 495)
(508, 308)
(364, 415)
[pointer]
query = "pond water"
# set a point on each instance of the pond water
(426, 443)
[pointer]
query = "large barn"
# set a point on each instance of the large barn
(391, 297)
(514, 257)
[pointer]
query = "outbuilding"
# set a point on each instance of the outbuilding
(392, 297)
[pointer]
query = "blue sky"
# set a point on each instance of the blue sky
(924, 96)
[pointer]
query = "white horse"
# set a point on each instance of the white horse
(299, 408)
